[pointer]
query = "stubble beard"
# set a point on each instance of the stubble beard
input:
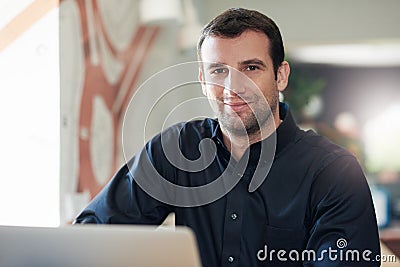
(249, 124)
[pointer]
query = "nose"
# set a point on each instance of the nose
(235, 83)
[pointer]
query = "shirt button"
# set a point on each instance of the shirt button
(234, 216)
(231, 259)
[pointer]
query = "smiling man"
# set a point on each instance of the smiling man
(310, 204)
(253, 101)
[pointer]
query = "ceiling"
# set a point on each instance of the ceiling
(356, 32)
(321, 23)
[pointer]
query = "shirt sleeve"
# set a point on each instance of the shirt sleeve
(344, 231)
(123, 201)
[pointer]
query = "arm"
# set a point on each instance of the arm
(122, 201)
(343, 222)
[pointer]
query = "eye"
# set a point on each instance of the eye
(219, 71)
(252, 67)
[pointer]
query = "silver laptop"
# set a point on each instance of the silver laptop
(97, 246)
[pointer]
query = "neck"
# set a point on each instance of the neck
(237, 144)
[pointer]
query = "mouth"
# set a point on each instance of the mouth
(237, 106)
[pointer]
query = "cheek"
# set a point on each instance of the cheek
(267, 88)
(261, 82)
(214, 92)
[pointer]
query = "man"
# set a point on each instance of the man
(301, 201)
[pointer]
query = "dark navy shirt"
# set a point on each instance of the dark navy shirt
(314, 204)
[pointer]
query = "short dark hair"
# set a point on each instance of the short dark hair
(234, 21)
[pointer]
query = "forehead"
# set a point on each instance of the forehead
(249, 44)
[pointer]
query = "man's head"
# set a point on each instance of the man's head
(233, 22)
(242, 71)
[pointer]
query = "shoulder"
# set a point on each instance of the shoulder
(318, 142)
(320, 149)
(337, 178)
(335, 168)
(203, 128)
(194, 130)
(181, 139)
(186, 134)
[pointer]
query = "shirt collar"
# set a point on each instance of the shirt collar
(286, 131)
(216, 132)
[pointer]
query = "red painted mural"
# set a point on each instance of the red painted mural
(114, 94)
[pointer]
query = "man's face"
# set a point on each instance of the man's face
(238, 77)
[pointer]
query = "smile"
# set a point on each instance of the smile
(237, 106)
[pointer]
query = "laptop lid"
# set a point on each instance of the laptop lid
(97, 246)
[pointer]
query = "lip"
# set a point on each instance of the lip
(237, 106)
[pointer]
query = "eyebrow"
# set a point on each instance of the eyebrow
(253, 61)
(215, 65)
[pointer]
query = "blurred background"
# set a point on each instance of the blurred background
(69, 70)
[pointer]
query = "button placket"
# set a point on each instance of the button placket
(233, 221)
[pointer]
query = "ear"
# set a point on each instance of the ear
(282, 78)
(202, 82)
